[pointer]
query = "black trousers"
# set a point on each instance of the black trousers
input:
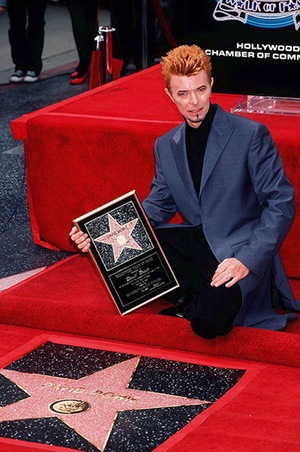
(211, 310)
(26, 33)
(83, 15)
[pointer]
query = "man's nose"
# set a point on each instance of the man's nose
(194, 99)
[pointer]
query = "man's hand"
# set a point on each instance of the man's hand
(82, 241)
(229, 272)
(2, 10)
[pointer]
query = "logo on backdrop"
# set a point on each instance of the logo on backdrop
(262, 14)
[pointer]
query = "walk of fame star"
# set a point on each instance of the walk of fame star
(89, 405)
(119, 236)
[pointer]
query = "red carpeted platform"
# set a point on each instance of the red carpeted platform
(70, 297)
(82, 153)
(85, 151)
(70, 300)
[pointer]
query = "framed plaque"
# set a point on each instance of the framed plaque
(127, 253)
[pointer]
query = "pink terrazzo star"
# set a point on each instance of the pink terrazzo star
(119, 236)
(105, 392)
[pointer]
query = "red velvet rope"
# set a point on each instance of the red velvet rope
(164, 24)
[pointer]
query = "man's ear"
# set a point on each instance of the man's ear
(211, 82)
(169, 94)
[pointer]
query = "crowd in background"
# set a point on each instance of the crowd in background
(27, 32)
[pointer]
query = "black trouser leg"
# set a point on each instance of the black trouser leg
(176, 243)
(35, 33)
(212, 310)
(27, 41)
(17, 33)
(83, 17)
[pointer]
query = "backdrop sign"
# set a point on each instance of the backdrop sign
(254, 45)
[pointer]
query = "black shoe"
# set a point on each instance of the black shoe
(174, 311)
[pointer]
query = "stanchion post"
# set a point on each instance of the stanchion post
(104, 43)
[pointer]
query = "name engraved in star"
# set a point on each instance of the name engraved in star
(114, 396)
(98, 392)
(63, 388)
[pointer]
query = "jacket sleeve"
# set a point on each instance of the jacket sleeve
(276, 197)
(159, 206)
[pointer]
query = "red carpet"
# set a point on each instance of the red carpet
(69, 298)
(93, 156)
(99, 145)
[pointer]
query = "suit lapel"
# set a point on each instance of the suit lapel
(217, 140)
(179, 152)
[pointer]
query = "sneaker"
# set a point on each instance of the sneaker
(17, 76)
(30, 77)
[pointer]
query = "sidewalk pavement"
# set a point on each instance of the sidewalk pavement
(20, 258)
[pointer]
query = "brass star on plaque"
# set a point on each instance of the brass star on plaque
(119, 236)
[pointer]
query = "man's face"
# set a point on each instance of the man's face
(192, 96)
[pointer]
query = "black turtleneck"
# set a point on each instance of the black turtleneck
(196, 140)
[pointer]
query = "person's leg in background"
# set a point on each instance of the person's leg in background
(17, 15)
(84, 25)
(35, 38)
(125, 16)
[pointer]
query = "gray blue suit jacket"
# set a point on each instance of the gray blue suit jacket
(245, 206)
